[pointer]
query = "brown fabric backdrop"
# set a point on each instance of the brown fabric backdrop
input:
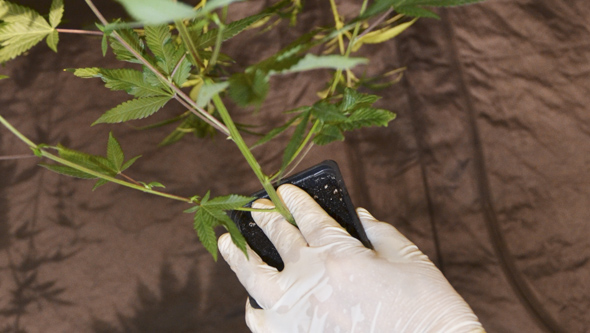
(485, 169)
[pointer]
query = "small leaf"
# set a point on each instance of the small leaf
(249, 88)
(311, 61)
(2, 77)
(92, 162)
(208, 90)
(99, 183)
(354, 99)
(327, 112)
(274, 132)
(328, 134)
(368, 117)
(155, 184)
(382, 35)
(208, 39)
(131, 38)
(56, 12)
(182, 71)
(133, 109)
(228, 202)
(114, 152)
(296, 140)
(153, 12)
(129, 163)
(159, 40)
(204, 224)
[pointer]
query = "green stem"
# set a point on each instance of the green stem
(348, 48)
(188, 42)
(243, 147)
(60, 160)
(302, 146)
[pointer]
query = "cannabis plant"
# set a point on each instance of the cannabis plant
(175, 54)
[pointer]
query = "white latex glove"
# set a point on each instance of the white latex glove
(332, 283)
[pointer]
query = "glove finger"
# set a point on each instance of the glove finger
(254, 318)
(255, 275)
(284, 236)
(316, 226)
(388, 242)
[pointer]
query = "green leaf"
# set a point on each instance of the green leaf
(382, 5)
(56, 12)
(159, 40)
(311, 61)
(274, 132)
(366, 117)
(208, 39)
(328, 134)
(134, 109)
(414, 11)
(92, 162)
(296, 140)
(114, 152)
(131, 38)
(153, 12)
(249, 88)
(192, 124)
(52, 40)
(327, 112)
(228, 202)
(208, 90)
(129, 163)
(68, 171)
(439, 3)
(130, 80)
(23, 28)
(204, 224)
(354, 99)
(4, 77)
(182, 71)
(99, 183)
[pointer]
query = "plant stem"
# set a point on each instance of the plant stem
(60, 160)
(15, 157)
(188, 42)
(194, 108)
(239, 141)
(80, 32)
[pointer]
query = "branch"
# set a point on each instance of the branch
(194, 108)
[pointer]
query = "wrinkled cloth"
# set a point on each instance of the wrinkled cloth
(485, 169)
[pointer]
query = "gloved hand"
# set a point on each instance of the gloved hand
(332, 283)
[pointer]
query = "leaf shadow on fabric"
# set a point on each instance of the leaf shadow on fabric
(173, 308)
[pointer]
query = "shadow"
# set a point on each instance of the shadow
(173, 308)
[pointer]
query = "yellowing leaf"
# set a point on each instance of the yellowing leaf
(23, 28)
(382, 35)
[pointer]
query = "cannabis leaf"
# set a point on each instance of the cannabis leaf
(413, 7)
(134, 109)
(382, 35)
(311, 61)
(23, 28)
(132, 38)
(208, 39)
(4, 77)
(130, 80)
(192, 124)
(249, 88)
(110, 166)
(168, 54)
(352, 112)
(211, 213)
